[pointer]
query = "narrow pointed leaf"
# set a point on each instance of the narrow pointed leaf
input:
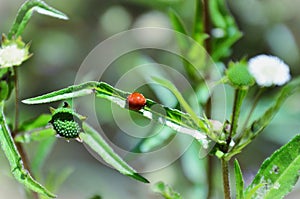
(260, 124)
(201, 123)
(217, 16)
(94, 140)
(36, 129)
(38, 122)
(63, 94)
(177, 22)
(239, 182)
(228, 31)
(35, 135)
(279, 173)
(173, 118)
(178, 25)
(15, 161)
(251, 192)
(25, 13)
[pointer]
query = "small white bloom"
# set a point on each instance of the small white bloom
(11, 55)
(269, 70)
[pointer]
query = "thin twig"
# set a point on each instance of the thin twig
(19, 146)
(210, 172)
(234, 118)
(15, 131)
(225, 172)
(208, 105)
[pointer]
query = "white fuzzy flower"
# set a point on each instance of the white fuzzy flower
(269, 70)
(12, 55)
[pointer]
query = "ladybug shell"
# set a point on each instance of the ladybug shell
(136, 101)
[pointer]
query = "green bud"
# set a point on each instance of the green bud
(66, 122)
(238, 75)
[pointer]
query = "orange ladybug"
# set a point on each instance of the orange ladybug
(136, 101)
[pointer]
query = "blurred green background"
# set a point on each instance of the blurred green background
(59, 48)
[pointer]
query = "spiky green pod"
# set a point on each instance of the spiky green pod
(66, 122)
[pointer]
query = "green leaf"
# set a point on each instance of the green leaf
(173, 118)
(279, 173)
(201, 123)
(39, 134)
(239, 182)
(177, 22)
(166, 191)
(36, 129)
(224, 23)
(15, 161)
(6, 83)
(63, 94)
(178, 25)
(217, 13)
(94, 140)
(41, 121)
(222, 46)
(252, 191)
(25, 12)
(4, 90)
(260, 124)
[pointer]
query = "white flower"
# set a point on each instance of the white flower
(269, 70)
(12, 55)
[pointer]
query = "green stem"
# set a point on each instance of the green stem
(238, 100)
(16, 101)
(19, 146)
(210, 175)
(226, 184)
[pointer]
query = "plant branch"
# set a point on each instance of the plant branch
(16, 101)
(226, 184)
(239, 96)
(208, 105)
(19, 146)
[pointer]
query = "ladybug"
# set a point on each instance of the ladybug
(136, 101)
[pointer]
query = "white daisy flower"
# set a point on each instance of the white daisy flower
(269, 70)
(12, 55)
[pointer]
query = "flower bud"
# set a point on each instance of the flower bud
(66, 122)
